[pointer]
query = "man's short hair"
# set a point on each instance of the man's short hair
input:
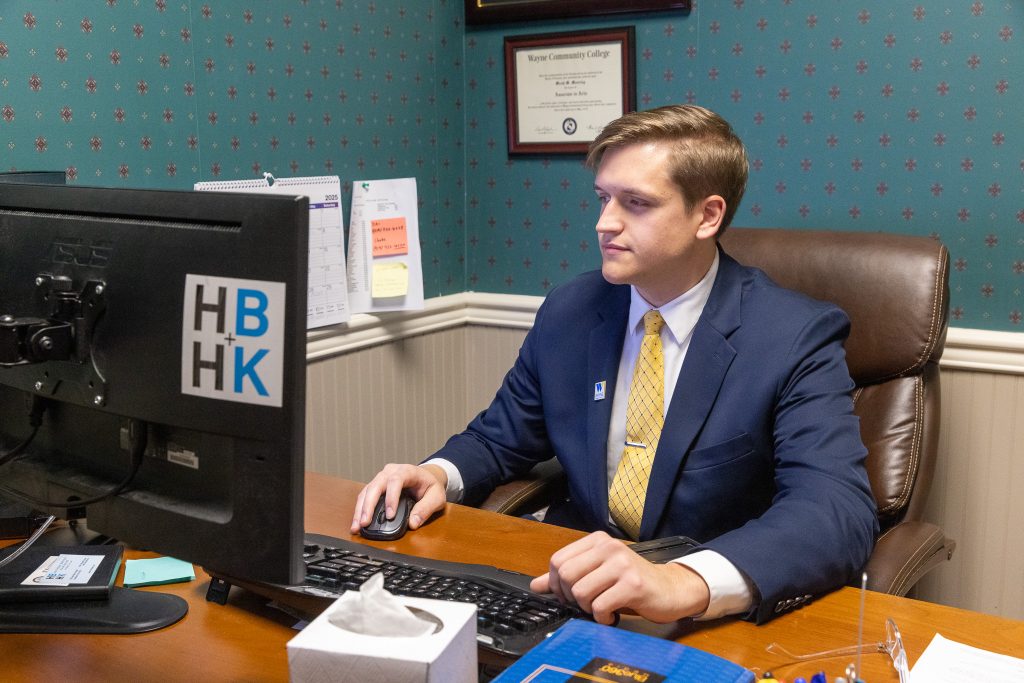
(708, 157)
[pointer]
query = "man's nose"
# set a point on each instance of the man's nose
(609, 220)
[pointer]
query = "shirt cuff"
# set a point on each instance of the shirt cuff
(731, 591)
(456, 487)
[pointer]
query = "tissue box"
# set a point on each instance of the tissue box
(325, 652)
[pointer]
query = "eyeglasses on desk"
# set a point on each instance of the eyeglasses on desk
(893, 646)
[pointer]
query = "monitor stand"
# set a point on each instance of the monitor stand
(118, 610)
(74, 532)
(125, 611)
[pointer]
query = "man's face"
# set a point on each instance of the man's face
(648, 237)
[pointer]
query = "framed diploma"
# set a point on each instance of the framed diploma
(493, 11)
(562, 88)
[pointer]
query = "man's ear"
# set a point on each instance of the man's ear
(712, 210)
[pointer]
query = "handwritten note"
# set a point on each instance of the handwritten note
(389, 237)
(390, 279)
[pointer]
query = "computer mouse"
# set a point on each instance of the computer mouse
(381, 528)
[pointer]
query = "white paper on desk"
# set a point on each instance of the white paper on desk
(327, 284)
(947, 660)
(387, 203)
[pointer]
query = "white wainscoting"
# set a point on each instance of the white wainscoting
(977, 493)
(394, 387)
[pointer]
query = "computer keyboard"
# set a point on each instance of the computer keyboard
(511, 618)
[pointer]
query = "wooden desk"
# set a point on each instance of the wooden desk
(245, 641)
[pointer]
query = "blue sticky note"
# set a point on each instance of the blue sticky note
(157, 571)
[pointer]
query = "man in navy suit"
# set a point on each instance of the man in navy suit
(759, 458)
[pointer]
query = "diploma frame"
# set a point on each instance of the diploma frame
(495, 11)
(621, 95)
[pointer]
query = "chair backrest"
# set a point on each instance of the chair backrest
(895, 289)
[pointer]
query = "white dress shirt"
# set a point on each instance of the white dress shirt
(731, 592)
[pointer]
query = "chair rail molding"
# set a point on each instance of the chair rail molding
(966, 349)
(984, 351)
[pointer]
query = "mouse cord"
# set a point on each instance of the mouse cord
(27, 543)
(35, 419)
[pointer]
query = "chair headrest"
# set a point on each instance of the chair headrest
(894, 288)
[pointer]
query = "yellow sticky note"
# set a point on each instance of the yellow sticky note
(390, 279)
(389, 237)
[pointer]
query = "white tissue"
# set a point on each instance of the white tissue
(372, 611)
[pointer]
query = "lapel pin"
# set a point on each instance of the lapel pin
(599, 390)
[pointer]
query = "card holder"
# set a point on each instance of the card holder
(98, 585)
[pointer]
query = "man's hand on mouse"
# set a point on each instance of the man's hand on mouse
(426, 484)
(603, 576)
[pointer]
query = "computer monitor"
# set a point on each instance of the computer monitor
(17, 519)
(33, 177)
(161, 333)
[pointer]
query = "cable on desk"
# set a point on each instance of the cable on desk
(27, 543)
(35, 419)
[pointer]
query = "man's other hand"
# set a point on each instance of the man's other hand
(603, 576)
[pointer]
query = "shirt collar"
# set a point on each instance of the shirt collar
(681, 313)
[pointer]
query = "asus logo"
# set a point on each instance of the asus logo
(79, 254)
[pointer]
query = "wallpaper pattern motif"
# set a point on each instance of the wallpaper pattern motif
(901, 117)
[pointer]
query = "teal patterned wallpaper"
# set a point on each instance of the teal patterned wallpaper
(902, 117)
(162, 94)
(890, 116)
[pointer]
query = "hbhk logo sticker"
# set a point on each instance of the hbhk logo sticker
(232, 339)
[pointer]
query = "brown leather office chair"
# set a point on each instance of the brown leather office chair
(895, 290)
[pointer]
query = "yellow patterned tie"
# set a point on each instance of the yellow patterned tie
(645, 416)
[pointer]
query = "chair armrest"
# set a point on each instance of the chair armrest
(535, 490)
(904, 554)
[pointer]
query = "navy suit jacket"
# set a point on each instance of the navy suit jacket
(760, 457)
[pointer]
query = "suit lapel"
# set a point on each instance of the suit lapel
(707, 360)
(605, 348)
